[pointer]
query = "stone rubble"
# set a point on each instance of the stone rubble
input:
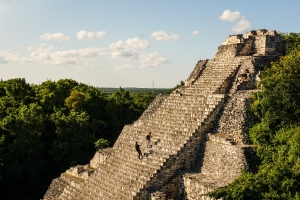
(199, 133)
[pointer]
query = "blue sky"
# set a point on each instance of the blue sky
(128, 43)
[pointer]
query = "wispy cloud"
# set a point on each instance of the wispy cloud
(242, 24)
(80, 58)
(55, 36)
(128, 49)
(162, 35)
(87, 35)
(132, 51)
(152, 60)
(231, 16)
(6, 57)
(195, 32)
(126, 67)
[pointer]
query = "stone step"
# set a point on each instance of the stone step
(167, 115)
(193, 99)
(101, 189)
(189, 99)
(116, 184)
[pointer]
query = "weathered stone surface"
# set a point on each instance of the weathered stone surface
(100, 157)
(199, 133)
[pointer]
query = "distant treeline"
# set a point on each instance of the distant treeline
(47, 128)
(138, 90)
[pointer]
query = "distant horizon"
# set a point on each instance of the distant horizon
(90, 84)
(134, 87)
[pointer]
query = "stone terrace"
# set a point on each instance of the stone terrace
(199, 133)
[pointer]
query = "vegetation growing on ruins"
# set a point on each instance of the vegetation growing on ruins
(46, 128)
(277, 133)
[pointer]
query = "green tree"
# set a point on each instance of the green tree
(74, 142)
(75, 101)
(22, 151)
(101, 144)
(293, 40)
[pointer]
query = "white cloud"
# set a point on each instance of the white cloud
(128, 50)
(55, 36)
(42, 52)
(6, 57)
(152, 60)
(130, 44)
(241, 26)
(87, 35)
(231, 16)
(195, 32)
(126, 67)
(81, 58)
(162, 35)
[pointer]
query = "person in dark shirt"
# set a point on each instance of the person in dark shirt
(148, 138)
(137, 148)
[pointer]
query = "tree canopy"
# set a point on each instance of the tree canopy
(46, 128)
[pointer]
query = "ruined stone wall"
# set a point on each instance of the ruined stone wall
(224, 161)
(235, 118)
(100, 157)
(196, 185)
(260, 42)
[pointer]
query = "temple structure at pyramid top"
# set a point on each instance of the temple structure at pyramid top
(200, 133)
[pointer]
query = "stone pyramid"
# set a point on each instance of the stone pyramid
(199, 133)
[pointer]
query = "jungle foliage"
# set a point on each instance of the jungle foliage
(47, 128)
(277, 133)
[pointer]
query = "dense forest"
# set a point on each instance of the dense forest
(276, 133)
(46, 128)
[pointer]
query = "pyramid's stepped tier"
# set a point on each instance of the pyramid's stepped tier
(234, 119)
(200, 128)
